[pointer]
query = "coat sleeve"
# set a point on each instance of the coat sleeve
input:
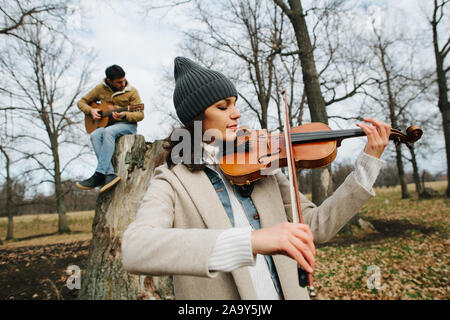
(327, 219)
(137, 115)
(84, 102)
(151, 245)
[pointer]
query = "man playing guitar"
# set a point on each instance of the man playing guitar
(117, 91)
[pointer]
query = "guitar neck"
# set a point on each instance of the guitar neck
(108, 113)
(326, 135)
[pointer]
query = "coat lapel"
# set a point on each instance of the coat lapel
(213, 213)
(270, 208)
(269, 205)
(204, 197)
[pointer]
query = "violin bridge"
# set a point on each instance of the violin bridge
(262, 134)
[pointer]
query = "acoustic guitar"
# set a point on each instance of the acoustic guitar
(105, 110)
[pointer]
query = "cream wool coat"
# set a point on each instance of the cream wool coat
(181, 217)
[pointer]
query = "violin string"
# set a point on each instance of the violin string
(322, 134)
(318, 135)
(315, 136)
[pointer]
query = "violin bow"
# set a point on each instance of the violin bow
(304, 278)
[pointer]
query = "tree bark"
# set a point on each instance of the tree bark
(441, 73)
(445, 111)
(9, 205)
(104, 276)
(416, 175)
(322, 185)
(393, 107)
(11, 208)
(63, 225)
(401, 171)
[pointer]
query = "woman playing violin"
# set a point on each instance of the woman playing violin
(221, 241)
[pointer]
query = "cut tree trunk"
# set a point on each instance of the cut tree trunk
(104, 276)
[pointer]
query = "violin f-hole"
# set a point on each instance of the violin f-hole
(269, 155)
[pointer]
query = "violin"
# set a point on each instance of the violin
(314, 145)
(256, 153)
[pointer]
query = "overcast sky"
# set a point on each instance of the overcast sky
(145, 46)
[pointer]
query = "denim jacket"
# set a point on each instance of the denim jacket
(249, 209)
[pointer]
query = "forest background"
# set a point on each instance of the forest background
(339, 60)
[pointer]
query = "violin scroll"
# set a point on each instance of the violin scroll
(413, 133)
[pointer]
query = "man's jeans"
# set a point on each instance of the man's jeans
(104, 142)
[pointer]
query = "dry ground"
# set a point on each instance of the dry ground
(33, 265)
(408, 247)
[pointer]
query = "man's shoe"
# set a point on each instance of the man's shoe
(110, 181)
(94, 181)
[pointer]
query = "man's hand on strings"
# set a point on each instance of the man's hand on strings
(95, 114)
(377, 133)
(294, 240)
(118, 115)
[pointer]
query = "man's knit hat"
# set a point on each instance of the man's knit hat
(197, 88)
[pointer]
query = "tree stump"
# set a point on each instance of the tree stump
(104, 276)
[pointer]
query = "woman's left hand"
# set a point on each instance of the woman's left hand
(377, 136)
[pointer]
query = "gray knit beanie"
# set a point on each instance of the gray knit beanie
(197, 88)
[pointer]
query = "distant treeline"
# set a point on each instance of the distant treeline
(75, 200)
(81, 200)
(388, 176)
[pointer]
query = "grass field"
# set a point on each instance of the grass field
(409, 246)
(42, 229)
(407, 251)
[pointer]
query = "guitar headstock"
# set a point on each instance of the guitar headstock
(136, 107)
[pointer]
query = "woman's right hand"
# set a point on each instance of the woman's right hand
(294, 240)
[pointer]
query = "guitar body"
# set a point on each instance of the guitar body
(106, 109)
(91, 124)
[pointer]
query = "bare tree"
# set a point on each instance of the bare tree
(248, 35)
(288, 80)
(316, 102)
(16, 15)
(45, 85)
(6, 153)
(398, 85)
(438, 19)
(421, 149)
(9, 203)
(416, 177)
(243, 39)
(322, 185)
(252, 40)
